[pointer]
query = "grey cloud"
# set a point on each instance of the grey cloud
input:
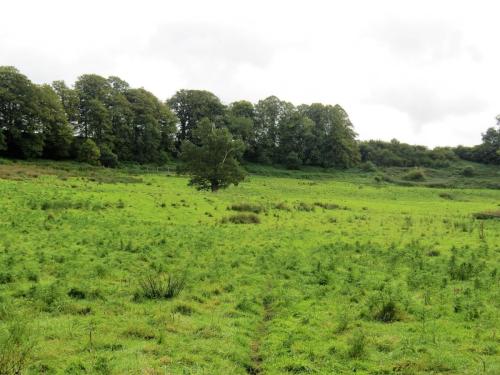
(211, 56)
(425, 105)
(188, 43)
(429, 40)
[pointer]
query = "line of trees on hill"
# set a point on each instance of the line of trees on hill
(105, 121)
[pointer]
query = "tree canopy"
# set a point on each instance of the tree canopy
(129, 124)
(212, 158)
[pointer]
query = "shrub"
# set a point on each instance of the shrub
(76, 293)
(88, 152)
(107, 157)
(161, 286)
(387, 313)
(242, 219)
(292, 161)
(383, 308)
(247, 207)
(416, 174)
(368, 167)
(468, 171)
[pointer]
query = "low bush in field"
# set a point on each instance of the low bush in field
(446, 196)
(247, 207)
(58, 205)
(468, 172)
(282, 206)
(327, 206)
(416, 174)
(383, 308)
(160, 286)
(330, 206)
(368, 167)
(303, 206)
(485, 215)
(242, 219)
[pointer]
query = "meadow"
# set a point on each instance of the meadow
(133, 272)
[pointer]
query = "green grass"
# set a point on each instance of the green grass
(340, 273)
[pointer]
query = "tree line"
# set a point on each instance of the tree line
(105, 121)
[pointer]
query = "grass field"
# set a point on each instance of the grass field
(116, 272)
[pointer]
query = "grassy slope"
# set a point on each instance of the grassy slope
(296, 293)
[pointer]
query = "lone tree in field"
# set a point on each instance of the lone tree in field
(212, 157)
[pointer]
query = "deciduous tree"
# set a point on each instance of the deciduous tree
(212, 160)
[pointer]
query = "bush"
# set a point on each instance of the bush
(416, 174)
(383, 308)
(468, 171)
(368, 167)
(387, 313)
(88, 152)
(161, 286)
(76, 293)
(247, 207)
(292, 161)
(108, 158)
(242, 219)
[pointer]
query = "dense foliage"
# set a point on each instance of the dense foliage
(129, 124)
(487, 152)
(113, 122)
(397, 154)
(211, 158)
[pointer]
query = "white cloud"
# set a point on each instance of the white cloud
(423, 72)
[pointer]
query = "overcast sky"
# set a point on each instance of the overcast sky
(423, 72)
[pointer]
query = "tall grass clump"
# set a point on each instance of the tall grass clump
(242, 219)
(16, 346)
(303, 206)
(486, 215)
(282, 206)
(384, 308)
(357, 345)
(160, 286)
(247, 207)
